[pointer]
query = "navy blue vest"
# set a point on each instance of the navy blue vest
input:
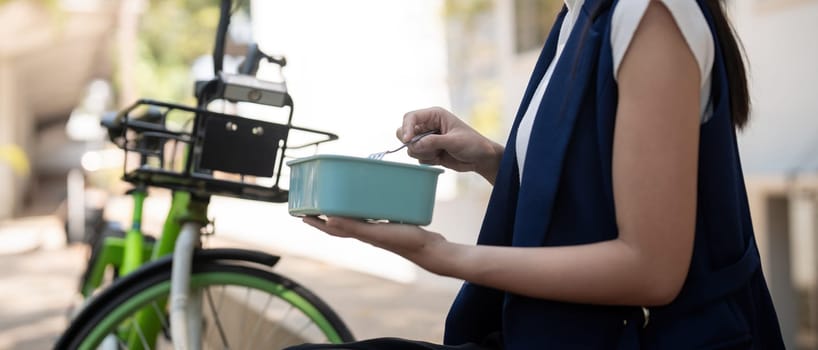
(565, 198)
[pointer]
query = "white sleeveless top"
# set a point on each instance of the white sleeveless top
(626, 18)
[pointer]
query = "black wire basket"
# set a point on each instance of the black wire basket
(207, 153)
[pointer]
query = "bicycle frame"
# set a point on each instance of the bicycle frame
(129, 253)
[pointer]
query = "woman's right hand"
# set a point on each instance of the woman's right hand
(458, 147)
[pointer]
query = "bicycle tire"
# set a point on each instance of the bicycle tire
(106, 314)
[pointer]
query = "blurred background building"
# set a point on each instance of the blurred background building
(355, 67)
(49, 52)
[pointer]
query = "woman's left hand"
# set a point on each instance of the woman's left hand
(409, 241)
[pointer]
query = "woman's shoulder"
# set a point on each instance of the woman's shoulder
(689, 18)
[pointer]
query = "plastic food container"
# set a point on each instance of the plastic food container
(362, 188)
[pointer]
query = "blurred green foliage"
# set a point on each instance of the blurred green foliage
(172, 34)
(49, 3)
(532, 22)
(466, 7)
(466, 10)
(472, 56)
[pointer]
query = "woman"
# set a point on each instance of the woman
(618, 218)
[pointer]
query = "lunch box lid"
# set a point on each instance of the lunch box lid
(366, 161)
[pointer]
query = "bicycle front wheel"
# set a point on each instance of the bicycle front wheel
(242, 308)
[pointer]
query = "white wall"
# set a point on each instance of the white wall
(782, 49)
(355, 67)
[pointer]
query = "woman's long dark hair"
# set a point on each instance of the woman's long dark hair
(733, 62)
(733, 59)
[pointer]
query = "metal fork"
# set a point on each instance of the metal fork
(416, 138)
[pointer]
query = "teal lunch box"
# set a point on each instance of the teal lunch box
(362, 188)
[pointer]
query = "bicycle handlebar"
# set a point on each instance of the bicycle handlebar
(152, 120)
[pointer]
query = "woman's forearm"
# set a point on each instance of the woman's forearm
(610, 273)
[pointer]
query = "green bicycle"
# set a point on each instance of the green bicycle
(170, 291)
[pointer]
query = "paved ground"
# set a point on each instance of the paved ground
(36, 290)
(38, 283)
